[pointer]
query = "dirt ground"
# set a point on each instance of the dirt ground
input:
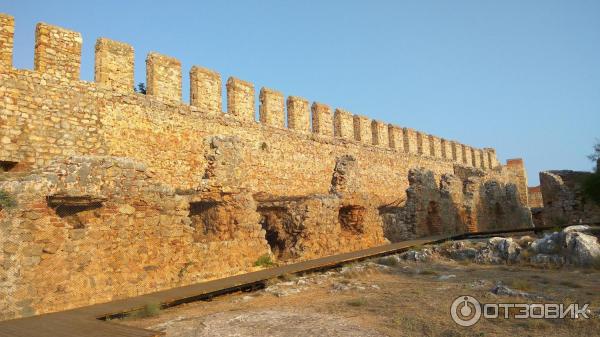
(390, 299)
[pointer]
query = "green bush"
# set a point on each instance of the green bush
(149, 310)
(6, 200)
(141, 88)
(357, 302)
(264, 261)
(591, 187)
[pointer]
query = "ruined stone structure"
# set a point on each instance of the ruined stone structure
(564, 200)
(534, 193)
(536, 205)
(119, 193)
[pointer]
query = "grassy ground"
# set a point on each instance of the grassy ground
(402, 299)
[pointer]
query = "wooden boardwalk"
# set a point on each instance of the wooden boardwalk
(86, 321)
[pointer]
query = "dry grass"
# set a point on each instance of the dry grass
(534, 324)
(540, 279)
(521, 284)
(357, 302)
(388, 261)
(570, 284)
(526, 254)
(288, 277)
(409, 303)
(428, 272)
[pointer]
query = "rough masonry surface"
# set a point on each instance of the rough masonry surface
(119, 193)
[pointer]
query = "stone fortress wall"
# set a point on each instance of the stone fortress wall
(120, 193)
(49, 112)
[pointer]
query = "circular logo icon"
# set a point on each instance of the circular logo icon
(465, 310)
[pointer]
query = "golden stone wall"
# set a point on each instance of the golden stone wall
(182, 160)
(362, 129)
(114, 65)
(240, 99)
(272, 108)
(205, 90)
(380, 134)
(298, 114)
(534, 193)
(343, 124)
(396, 138)
(50, 112)
(57, 51)
(322, 119)
(7, 30)
(163, 77)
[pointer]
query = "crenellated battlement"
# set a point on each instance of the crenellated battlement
(190, 192)
(58, 54)
(298, 114)
(7, 32)
(205, 90)
(163, 77)
(272, 107)
(114, 65)
(57, 51)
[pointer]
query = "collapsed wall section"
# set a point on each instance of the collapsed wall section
(564, 201)
(463, 201)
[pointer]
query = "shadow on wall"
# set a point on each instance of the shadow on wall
(281, 231)
(78, 212)
(352, 219)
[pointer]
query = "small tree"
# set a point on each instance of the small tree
(595, 156)
(591, 186)
(141, 88)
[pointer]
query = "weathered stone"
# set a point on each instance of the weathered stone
(582, 249)
(127, 209)
(468, 253)
(549, 244)
(499, 250)
(32, 250)
(10, 247)
(104, 163)
(545, 259)
(50, 248)
(33, 215)
(502, 290)
(564, 200)
(77, 234)
(417, 256)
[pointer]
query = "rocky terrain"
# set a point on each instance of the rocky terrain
(574, 246)
(409, 294)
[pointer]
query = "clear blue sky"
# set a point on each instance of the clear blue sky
(521, 76)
